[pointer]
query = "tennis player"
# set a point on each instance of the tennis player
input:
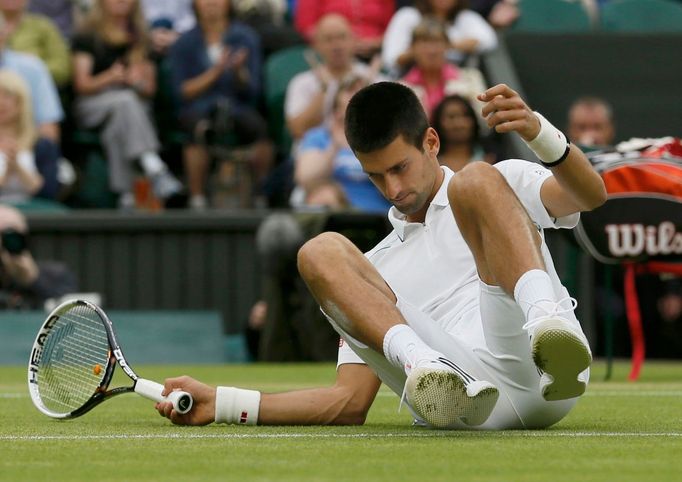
(459, 310)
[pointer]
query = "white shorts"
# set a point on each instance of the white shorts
(490, 344)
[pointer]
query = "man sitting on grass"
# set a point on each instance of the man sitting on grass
(459, 310)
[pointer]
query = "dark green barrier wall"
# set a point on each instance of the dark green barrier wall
(640, 74)
(170, 261)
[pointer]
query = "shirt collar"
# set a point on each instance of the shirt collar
(397, 219)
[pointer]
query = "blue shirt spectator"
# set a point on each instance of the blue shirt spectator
(47, 108)
(347, 171)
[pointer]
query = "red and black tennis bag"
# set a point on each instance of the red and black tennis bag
(642, 218)
(640, 225)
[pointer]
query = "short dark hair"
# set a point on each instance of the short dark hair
(379, 113)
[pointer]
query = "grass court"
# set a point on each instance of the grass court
(619, 431)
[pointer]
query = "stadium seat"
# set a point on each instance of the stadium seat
(642, 16)
(551, 16)
(280, 67)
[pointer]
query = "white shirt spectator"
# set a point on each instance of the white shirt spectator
(13, 190)
(305, 85)
(467, 24)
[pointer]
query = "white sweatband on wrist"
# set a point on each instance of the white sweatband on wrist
(550, 145)
(234, 405)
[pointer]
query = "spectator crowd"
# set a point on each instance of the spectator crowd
(171, 94)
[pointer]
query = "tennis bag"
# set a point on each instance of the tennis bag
(642, 218)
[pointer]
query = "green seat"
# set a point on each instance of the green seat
(93, 185)
(280, 68)
(165, 105)
(551, 16)
(86, 138)
(642, 16)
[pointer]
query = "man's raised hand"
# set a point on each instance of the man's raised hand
(505, 111)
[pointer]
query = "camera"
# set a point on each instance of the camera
(13, 241)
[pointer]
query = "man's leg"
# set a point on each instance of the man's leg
(353, 294)
(506, 247)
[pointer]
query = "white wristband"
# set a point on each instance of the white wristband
(550, 145)
(234, 405)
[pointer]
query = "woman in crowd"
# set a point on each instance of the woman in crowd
(19, 177)
(114, 82)
(216, 69)
(457, 126)
(468, 32)
(432, 77)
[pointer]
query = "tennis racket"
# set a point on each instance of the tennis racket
(72, 363)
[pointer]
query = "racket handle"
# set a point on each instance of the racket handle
(182, 401)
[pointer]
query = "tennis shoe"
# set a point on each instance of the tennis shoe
(442, 394)
(165, 185)
(561, 352)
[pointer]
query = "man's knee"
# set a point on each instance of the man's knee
(318, 257)
(473, 182)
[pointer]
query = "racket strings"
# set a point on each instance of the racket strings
(76, 345)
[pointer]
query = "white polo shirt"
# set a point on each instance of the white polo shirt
(430, 266)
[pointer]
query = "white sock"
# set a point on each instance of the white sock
(403, 347)
(151, 163)
(534, 294)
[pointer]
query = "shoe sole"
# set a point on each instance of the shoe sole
(440, 397)
(563, 356)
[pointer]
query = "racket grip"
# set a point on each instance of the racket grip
(182, 401)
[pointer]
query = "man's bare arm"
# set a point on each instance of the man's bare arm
(576, 186)
(344, 403)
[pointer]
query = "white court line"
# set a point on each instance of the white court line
(595, 393)
(441, 434)
(604, 393)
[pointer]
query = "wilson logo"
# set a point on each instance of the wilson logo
(636, 239)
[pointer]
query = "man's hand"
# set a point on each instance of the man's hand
(203, 410)
(324, 77)
(505, 111)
